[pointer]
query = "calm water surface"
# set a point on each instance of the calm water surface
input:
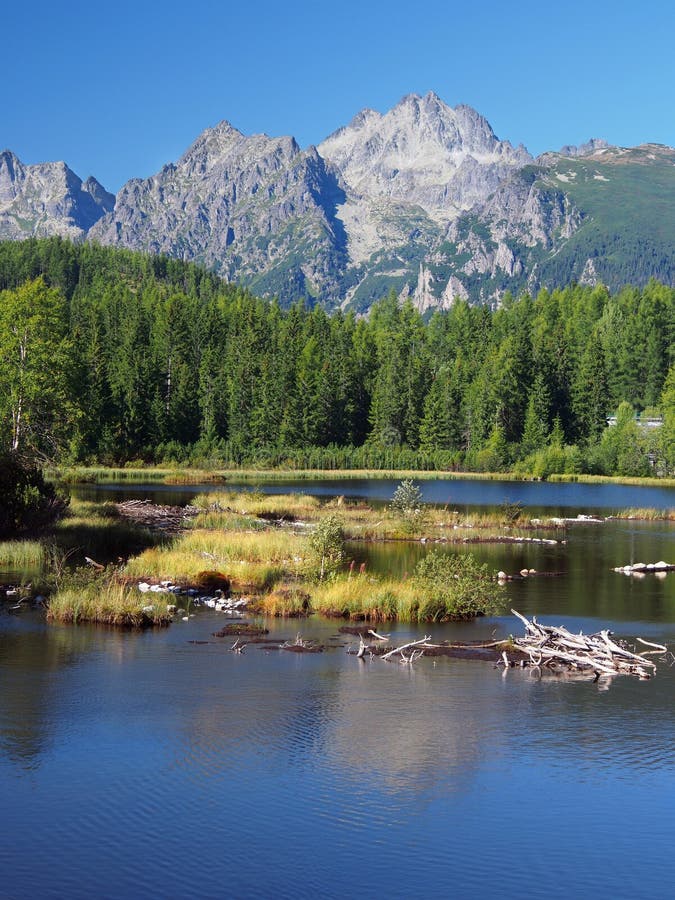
(555, 499)
(143, 765)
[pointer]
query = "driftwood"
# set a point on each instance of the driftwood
(299, 645)
(156, 517)
(553, 651)
(555, 648)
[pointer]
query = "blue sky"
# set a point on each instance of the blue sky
(118, 90)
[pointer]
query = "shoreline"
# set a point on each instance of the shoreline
(186, 475)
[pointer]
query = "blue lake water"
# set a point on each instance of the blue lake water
(536, 495)
(144, 765)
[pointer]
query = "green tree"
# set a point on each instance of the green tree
(34, 361)
(327, 543)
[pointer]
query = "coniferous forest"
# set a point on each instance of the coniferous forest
(112, 357)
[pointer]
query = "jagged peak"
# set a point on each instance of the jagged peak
(593, 145)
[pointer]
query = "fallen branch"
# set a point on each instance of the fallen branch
(425, 640)
(552, 647)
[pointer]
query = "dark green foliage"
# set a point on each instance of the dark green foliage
(456, 587)
(134, 357)
(28, 503)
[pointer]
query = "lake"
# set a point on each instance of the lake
(142, 764)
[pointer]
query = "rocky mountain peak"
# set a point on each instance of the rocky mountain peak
(424, 152)
(586, 149)
(47, 199)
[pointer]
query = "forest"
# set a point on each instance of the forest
(114, 357)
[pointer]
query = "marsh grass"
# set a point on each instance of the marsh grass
(96, 530)
(108, 603)
(253, 560)
(22, 554)
(137, 475)
(187, 475)
(647, 515)
(384, 600)
(258, 505)
(614, 479)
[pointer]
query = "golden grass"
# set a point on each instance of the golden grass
(252, 560)
(254, 503)
(108, 603)
(614, 479)
(373, 599)
(647, 515)
(365, 597)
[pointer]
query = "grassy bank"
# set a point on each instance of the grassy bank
(21, 554)
(110, 603)
(169, 475)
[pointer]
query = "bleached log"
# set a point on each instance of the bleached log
(649, 644)
(424, 640)
(378, 637)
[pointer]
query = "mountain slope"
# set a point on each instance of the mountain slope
(423, 199)
(255, 209)
(47, 199)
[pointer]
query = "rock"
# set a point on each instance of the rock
(47, 199)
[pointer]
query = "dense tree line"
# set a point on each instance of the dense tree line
(112, 356)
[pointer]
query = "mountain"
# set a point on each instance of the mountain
(255, 209)
(423, 199)
(47, 199)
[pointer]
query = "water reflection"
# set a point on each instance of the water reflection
(145, 765)
(539, 497)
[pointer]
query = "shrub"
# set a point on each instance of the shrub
(455, 586)
(28, 503)
(327, 543)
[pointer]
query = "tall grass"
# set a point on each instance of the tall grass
(647, 515)
(107, 603)
(379, 600)
(22, 554)
(251, 560)
(614, 479)
(138, 475)
(257, 504)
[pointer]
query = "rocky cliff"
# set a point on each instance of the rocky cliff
(423, 199)
(47, 199)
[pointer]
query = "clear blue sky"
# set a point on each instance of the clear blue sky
(117, 90)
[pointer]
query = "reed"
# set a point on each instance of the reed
(108, 603)
(259, 505)
(647, 515)
(614, 479)
(137, 475)
(22, 554)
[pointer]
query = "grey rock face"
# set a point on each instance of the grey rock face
(424, 199)
(422, 152)
(249, 207)
(47, 199)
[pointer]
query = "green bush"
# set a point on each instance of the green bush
(327, 543)
(28, 503)
(455, 586)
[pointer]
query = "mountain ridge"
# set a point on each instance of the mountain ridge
(423, 199)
